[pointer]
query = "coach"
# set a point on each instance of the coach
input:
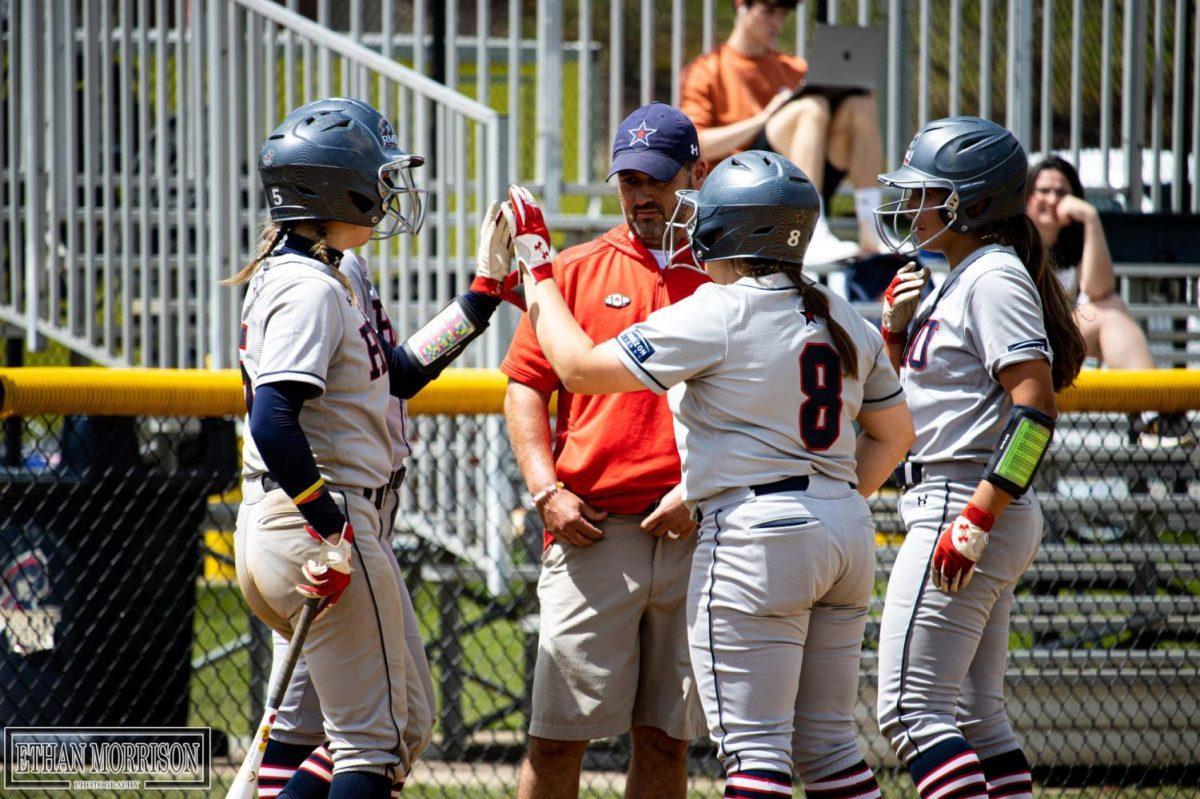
(612, 653)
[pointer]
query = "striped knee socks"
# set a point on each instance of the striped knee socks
(856, 782)
(758, 784)
(949, 770)
(1008, 776)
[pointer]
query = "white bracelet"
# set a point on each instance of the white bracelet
(546, 493)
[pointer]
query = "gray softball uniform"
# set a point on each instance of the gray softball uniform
(782, 576)
(299, 324)
(942, 656)
(299, 720)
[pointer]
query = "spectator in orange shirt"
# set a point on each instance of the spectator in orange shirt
(747, 95)
(612, 652)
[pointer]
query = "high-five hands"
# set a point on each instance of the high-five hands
(531, 237)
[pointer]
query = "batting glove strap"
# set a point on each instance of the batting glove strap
(899, 337)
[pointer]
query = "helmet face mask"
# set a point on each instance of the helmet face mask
(681, 225)
(895, 221)
(403, 203)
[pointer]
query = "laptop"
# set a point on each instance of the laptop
(845, 57)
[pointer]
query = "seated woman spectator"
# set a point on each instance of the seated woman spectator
(1071, 229)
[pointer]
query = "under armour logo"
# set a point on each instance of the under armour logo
(641, 135)
(540, 249)
(922, 500)
(695, 150)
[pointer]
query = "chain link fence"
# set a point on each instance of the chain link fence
(119, 606)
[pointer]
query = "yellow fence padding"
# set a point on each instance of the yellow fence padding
(193, 392)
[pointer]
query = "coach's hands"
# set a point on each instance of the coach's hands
(900, 301)
(327, 575)
(531, 237)
(959, 548)
(493, 259)
(671, 518)
(571, 520)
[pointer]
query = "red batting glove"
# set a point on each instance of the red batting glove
(959, 548)
(328, 575)
(531, 237)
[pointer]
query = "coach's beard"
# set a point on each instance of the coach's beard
(648, 227)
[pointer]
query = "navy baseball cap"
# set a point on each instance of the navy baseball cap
(657, 139)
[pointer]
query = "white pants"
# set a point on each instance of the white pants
(777, 606)
(300, 721)
(942, 656)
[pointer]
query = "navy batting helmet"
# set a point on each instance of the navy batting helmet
(980, 164)
(338, 159)
(754, 205)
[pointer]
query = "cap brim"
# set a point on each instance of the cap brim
(650, 162)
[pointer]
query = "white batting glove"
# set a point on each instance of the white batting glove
(531, 237)
(328, 574)
(493, 259)
(900, 301)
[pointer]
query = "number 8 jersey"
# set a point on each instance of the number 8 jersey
(763, 396)
(299, 325)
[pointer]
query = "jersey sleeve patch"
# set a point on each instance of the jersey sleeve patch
(636, 345)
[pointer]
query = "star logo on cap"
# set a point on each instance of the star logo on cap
(641, 135)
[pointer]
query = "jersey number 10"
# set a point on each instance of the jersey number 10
(821, 384)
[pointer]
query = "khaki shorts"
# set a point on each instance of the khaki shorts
(613, 647)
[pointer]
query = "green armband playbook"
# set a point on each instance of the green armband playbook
(1023, 444)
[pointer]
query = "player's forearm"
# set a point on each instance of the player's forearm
(875, 460)
(716, 143)
(895, 355)
(421, 358)
(565, 344)
(275, 427)
(527, 412)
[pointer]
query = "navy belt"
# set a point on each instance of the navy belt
(907, 474)
(376, 496)
(796, 483)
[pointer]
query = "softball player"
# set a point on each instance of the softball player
(297, 742)
(765, 374)
(318, 451)
(985, 355)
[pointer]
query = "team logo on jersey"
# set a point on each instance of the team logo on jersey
(616, 300)
(636, 345)
(641, 135)
(810, 318)
(387, 135)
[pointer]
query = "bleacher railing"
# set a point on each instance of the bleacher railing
(1112, 85)
(118, 493)
(132, 131)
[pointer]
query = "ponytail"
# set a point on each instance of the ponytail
(1022, 235)
(815, 302)
(268, 240)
